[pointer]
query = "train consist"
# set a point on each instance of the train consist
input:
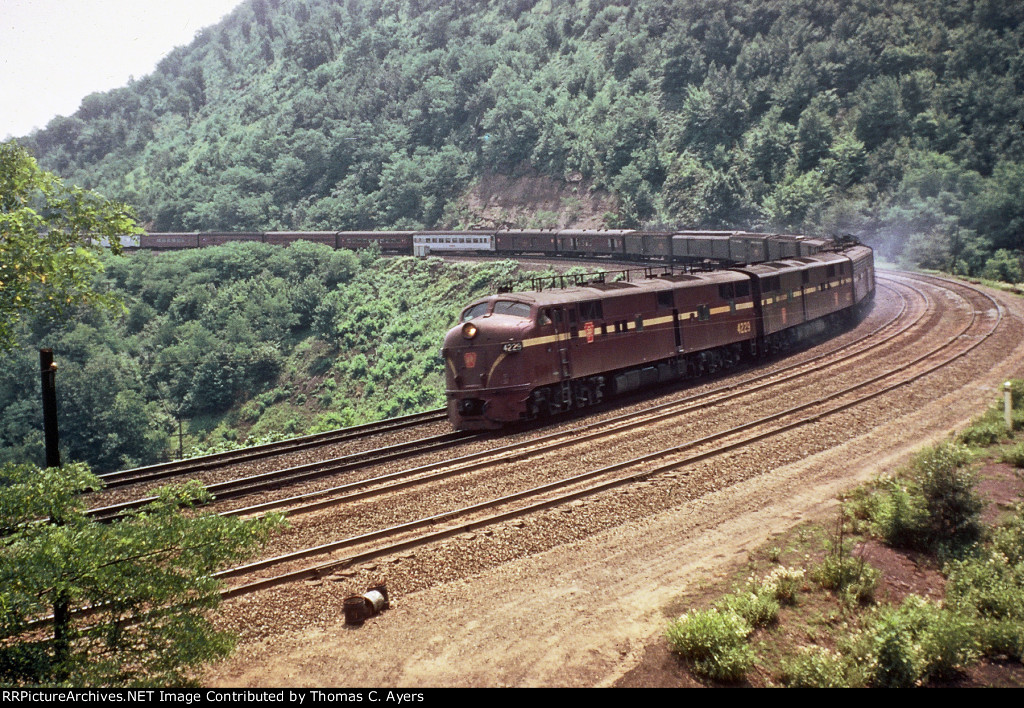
(523, 355)
(726, 247)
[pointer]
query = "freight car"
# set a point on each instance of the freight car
(168, 241)
(285, 238)
(386, 241)
(513, 242)
(522, 355)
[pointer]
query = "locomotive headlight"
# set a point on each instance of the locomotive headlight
(469, 330)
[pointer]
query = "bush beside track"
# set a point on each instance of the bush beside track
(919, 580)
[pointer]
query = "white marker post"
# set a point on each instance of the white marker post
(1008, 406)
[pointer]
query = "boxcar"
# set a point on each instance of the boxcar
(543, 241)
(159, 241)
(387, 241)
(284, 238)
(649, 245)
(592, 243)
(216, 238)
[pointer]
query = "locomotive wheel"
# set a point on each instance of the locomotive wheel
(540, 404)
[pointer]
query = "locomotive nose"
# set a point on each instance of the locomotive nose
(483, 351)
(484, 363)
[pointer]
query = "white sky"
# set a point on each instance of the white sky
(53, 53)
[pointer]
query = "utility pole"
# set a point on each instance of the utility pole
(48, 372)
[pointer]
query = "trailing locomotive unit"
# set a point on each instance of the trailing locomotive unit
(521, 355)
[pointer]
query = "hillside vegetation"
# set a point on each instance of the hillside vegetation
(237, 341)
(899, 122)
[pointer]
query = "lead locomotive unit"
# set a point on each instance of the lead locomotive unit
(523, 355)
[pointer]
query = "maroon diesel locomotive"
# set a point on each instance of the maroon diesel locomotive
(522, 355)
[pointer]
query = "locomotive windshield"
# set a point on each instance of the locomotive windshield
(516, 309)
(474, 312)
(501, 307)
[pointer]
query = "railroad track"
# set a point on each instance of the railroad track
(180, 468)
(393, 539)
(274, 479)
(242, 486)
(585, 434)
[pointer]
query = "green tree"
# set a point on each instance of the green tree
(129, 599)
(49, 238)
(1004, 266)
(795, 201)
(814, 134)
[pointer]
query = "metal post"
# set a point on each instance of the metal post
(48, 372)
(1008, 406)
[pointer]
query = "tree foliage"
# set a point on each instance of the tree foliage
(242, 340)
(49, 238)
(129, 600)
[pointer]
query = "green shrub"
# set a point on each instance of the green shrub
(988, 589)
(990, 427)
(816, 667)
(918, 641)
(893, 652)
(938, 507)
(860, 506)
(849, 577)
(758, 607)
(1008, 540)
(1014, 456)
(899, 647)
(715, 642)
(784, 583)
(988, 586)
(899, 516)
(1001, 637)
(953, 505)
(983, 433)
(948, 642)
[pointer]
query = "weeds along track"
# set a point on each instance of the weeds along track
(765, 420)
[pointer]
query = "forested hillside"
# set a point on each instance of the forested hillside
(238, 341)
(901, 122)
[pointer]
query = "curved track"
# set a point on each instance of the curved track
(803, 393)
(565, 588)
(358, 470)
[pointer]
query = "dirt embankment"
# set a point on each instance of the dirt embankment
(533, 201)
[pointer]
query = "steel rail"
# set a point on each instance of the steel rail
(393, 481)
(163, 470)
(246, 485)
(316, 571)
